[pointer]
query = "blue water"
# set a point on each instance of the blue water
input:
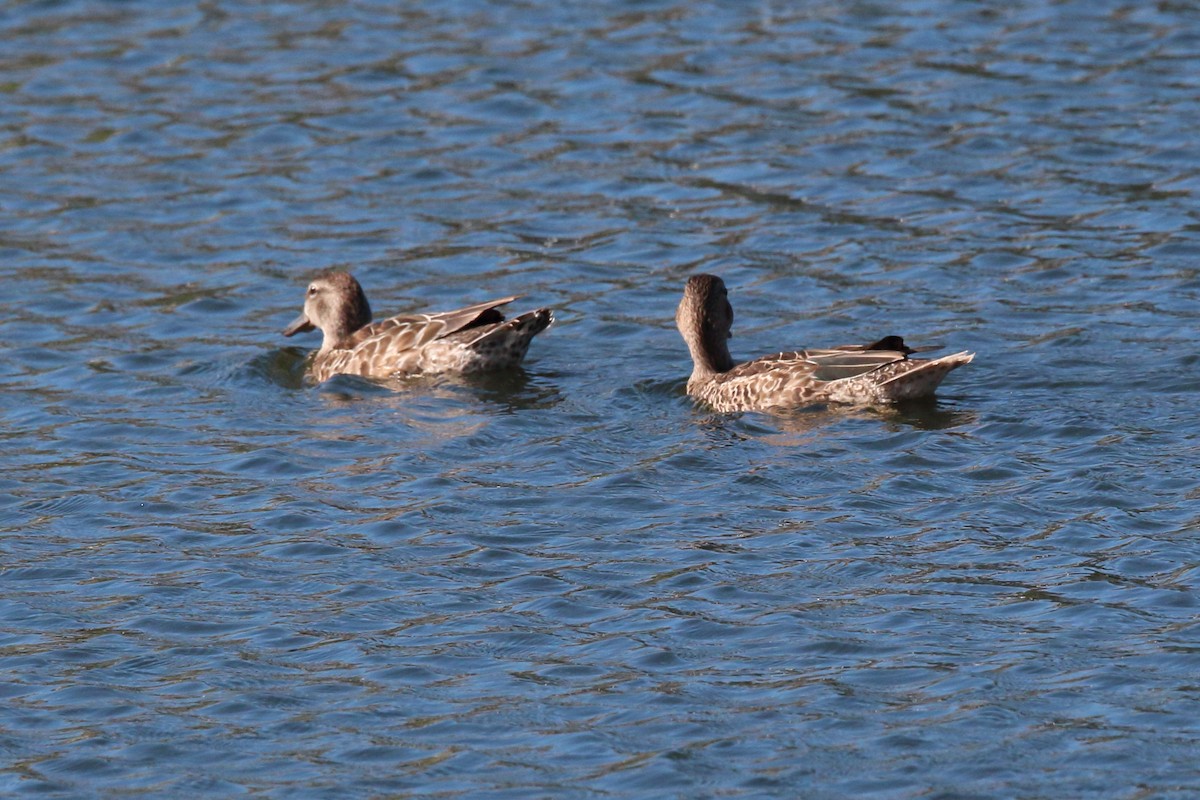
(217, 579)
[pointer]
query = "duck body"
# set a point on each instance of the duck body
(858, 374)
(471, 339)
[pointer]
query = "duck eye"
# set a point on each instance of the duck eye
(312, 290)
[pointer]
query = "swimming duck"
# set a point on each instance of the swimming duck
(876, 373)
(469, 339)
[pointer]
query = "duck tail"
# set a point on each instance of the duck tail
(923, 377)
(534, 321)
(523, 326)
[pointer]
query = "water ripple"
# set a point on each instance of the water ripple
(567, 580)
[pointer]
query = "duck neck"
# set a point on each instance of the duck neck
(338, 335)
(710, 354)
(336, 338)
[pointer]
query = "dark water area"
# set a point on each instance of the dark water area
(217, 579)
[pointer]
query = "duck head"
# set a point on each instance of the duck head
(705, 320)
(336, 304)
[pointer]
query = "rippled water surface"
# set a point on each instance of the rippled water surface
(567, 581)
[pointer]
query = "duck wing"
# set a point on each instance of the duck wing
(837, 364)
(414, 331)
(814, 365)
(887, 343)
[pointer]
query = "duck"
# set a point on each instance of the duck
(474, 338)
(876, 373)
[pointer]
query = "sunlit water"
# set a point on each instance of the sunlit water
(566, 581)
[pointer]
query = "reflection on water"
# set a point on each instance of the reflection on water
(809, 427)
(566, 580)
(930, 415)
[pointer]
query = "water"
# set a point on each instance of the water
(568, 581)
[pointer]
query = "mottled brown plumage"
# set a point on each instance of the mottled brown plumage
(468, 339)
(877, 373)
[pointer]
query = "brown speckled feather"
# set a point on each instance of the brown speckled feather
(877, 373)
(467, 339)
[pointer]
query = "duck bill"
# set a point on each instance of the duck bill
(299, 325)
